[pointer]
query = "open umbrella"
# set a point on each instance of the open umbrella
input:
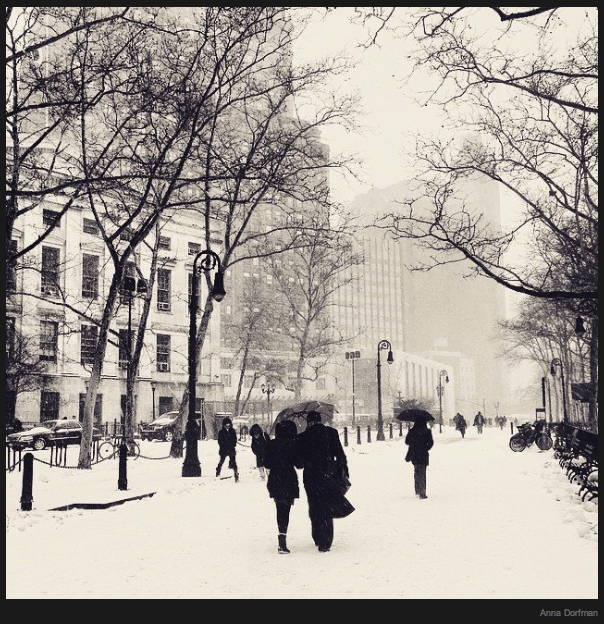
(414, 414)
(298, 412)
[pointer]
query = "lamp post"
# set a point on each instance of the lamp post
(132, 287)
(382, 346)
(268, 389)
(557, 363)
(153, 387)
(352, 356)
(440, 389)
(206, 261)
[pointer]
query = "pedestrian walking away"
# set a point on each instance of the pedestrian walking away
(227, 447)
(460, 424)
(282, 458)
(325, 478)
(420, 441)
(260, 439)
(479, 421)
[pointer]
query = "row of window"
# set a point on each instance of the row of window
(49, 344)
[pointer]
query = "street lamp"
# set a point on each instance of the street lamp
(382, 346)
(268, 390)
(440, 389)
(206, 261)
(352, 356)
(132, 287)
(557, 362)
(153, 387)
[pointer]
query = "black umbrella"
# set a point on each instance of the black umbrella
(414, 414)
(298, 413)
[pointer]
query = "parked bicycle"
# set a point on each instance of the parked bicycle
(111, 448)
(529, 433)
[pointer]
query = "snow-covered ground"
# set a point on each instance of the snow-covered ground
(496, 525)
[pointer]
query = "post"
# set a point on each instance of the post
(153, 386)
(382, 346)
(122, 480)
(28, 480)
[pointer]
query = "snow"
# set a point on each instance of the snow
(496, 525)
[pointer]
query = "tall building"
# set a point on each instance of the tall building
(439, 315)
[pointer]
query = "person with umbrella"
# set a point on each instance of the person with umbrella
(420, 441)
(282, 458)
(325, 478)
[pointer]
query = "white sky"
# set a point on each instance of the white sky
(497, 525)
(390, 112)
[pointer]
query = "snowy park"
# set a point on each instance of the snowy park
(496, 525)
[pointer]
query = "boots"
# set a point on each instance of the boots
(282, 550)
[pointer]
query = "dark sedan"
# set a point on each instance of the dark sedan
(48, 433)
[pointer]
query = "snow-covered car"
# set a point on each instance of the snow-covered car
(163, 428)
(48, 433)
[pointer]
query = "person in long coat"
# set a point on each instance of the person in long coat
(325, 466)
(420, 441)
(227, 447)
(282, 457)
(260, 439)
(460, 424)
(479, 421)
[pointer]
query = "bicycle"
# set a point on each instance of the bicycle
(111, 448)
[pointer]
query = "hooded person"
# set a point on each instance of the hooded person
(325, 478)
(282, 458)
(227, 447)
(260, 439)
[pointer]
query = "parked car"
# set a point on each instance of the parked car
(163, 428)
(48, 433)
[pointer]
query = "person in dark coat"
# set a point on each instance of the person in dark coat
(460, 424)
(260, 439)
(479, 421)
(227, 447)
(282, 457)
(420, 441)
(325, 466)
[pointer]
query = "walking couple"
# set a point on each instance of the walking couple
(318, 451)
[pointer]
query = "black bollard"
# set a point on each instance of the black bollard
(358, 434)
(345, 436)
(28, 481)
(511, 428)
(400, 430)
(368, 433)
(122, 480)
(390, 431)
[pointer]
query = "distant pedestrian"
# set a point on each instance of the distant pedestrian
(260, 439)
(243, 433)
(460, 424)
(420, 441)
(479, 421)
(227, 447)
(282, 458)
(325, 478)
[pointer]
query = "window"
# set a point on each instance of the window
(248, 381)
(90, 226)
(90, 276)
(88, 343)
(50, 271)
(321, 383)
(194, 248)
(191, 291)
(123, 349)
(125, 235)
(50, 218)
(163, 353)
(49, 341)
(49, 405)
(165, 242)
(226, 380)
(164, 277)
(11, 275)
(98, 408)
